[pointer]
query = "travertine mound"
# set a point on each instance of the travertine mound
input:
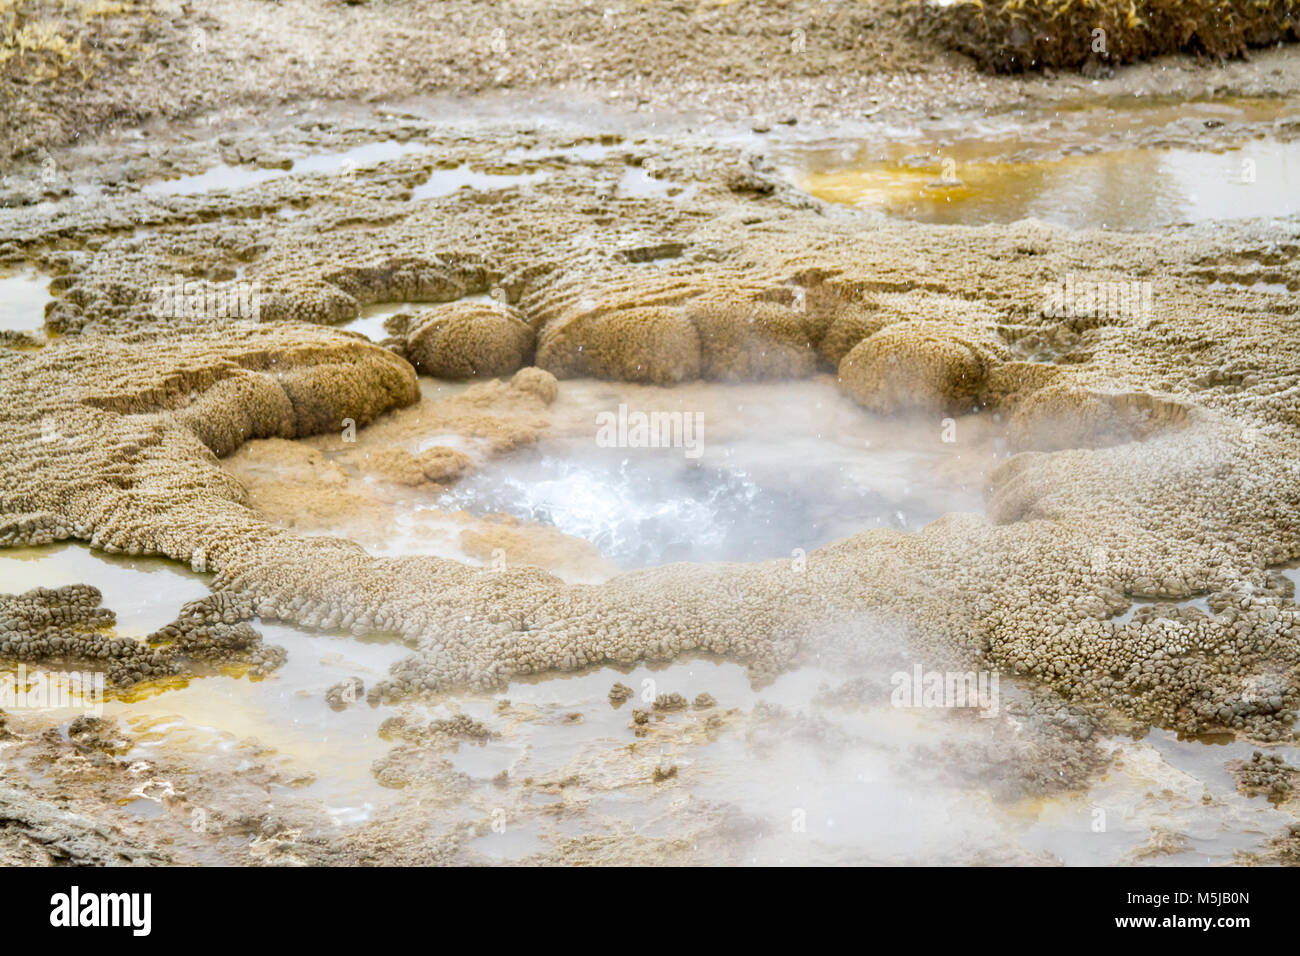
(469, 340)
(442, 465)
(850, 325)
(536, 382)
(920, 365)
(753, 341)
(1063, 416)
(656, 345)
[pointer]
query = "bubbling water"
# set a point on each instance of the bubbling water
(761, 484)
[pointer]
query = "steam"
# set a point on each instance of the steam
(758, 472)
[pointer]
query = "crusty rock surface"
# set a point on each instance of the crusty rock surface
(36, 831)
(67, 625)
(1158, 461)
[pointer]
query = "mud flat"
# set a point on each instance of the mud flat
(593, 483)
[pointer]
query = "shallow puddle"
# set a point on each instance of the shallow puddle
(286, 711)
(1074, 165)
(225, 176)
(638, 183)
(23, 295)
(444, 182)
(809, 780)
(441, 182)
(1115, 189)
(582, 152)
(146, 593)
(1165, 801)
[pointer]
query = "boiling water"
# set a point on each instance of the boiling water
(772, 468)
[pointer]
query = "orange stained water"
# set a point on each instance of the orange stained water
(1071, 167)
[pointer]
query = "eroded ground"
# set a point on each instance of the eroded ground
(317, 395)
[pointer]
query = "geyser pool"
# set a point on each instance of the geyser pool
(777, 469)
(781, 466)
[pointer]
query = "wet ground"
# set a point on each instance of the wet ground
(805, 769)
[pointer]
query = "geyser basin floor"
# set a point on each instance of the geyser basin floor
(804, 770)
(682, 789)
